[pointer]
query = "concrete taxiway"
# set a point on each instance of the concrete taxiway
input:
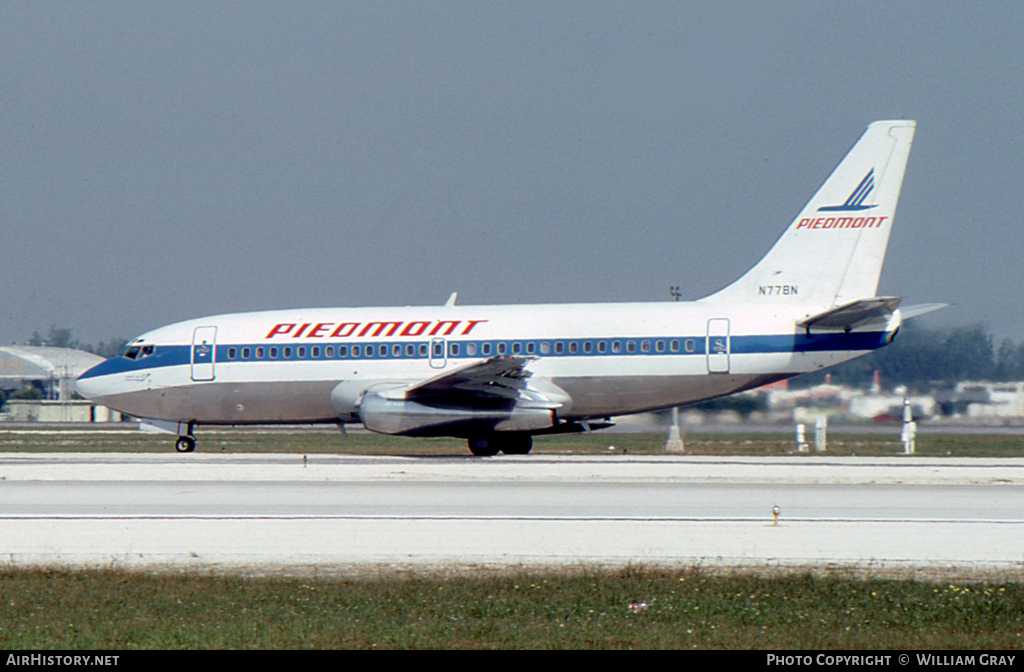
(208, 510)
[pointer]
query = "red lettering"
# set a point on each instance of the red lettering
(414, 328)
(882, 219)
(380, 326)
(803, 223)
(473, 323)
(280, 329)
(451, 327)
(869, 222)
(347, 327)
(316, 332)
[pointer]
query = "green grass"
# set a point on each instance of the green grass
(583, 609)
(313, 442)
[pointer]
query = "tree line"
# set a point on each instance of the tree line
(922, 358)
(61, 337)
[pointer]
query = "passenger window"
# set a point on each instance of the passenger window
(531, 348)
(660, 346)
(329, 351)
(674, 345)
(382, 350)
(690, 345)
(273, 353)
(423, 349)
(471, 349)
(453, 349)
(588, 347)
(231, 353)
(545, 348)
(645, 346)
(302, 353)
(316, 352)
(246, 353)
(259, 353)
(574, 347)
(501, 348)
(602, 346)
(630, 346)
(559, 347)
(616, 346)
(486, 349)
(355, 350)
(517, 347)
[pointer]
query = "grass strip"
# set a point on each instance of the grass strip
(316, 442)
(628, 608)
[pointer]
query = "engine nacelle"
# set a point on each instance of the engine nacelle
(399, 416)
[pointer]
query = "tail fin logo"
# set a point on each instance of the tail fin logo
(856, 200)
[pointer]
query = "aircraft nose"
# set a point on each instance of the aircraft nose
(90, 384)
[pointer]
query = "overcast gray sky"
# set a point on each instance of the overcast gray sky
(162, 161)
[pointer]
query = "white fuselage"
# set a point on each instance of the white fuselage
(611, 359)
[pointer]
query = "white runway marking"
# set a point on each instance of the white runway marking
(219, 510)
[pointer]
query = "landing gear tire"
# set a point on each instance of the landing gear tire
(517, 445)
(185, 444)
(486, 446)
(483, 446)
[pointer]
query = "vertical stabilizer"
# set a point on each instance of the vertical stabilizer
(833, 251)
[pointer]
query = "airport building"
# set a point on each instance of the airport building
(54, 370)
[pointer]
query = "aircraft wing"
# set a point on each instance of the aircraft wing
(498, 379)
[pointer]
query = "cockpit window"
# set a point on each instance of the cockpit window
(139, 352)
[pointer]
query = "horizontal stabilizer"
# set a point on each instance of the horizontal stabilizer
(854, 314)
(921, 309)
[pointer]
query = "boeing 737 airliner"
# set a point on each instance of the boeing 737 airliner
(498, 375)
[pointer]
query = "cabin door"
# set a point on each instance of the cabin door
(438, 353)
(204, 353)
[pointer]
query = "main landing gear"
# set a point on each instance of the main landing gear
(492, 444)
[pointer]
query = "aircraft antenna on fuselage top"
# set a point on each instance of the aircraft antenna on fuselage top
(832, 252)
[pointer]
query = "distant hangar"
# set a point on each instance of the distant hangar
(55, 368)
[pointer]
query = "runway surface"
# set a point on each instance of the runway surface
(279, 511)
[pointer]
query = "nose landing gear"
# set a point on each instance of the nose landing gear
(186, 442)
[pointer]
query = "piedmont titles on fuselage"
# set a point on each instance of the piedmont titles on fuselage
(412, 329)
